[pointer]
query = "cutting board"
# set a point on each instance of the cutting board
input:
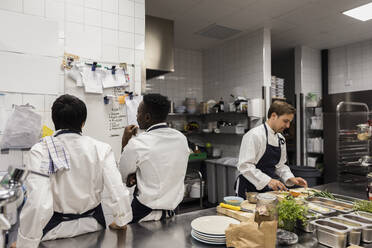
(282, 194)
(239, 215)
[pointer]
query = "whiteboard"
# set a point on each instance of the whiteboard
(29, 34)
(29, 73)
(97, 124)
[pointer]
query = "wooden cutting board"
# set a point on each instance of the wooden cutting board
(239, 215)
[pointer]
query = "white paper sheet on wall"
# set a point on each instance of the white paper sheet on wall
(132, 106)
(92, 80)
(114, 80)
(116, 121)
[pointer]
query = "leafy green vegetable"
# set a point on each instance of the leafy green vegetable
(363, 205)
(290, 212)
(324, 194)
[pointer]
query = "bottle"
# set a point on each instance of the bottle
(222, 105)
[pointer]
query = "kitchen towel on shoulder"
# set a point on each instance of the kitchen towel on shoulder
(58, 157)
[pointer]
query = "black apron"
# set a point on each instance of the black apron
(138, 209)
(58, 218)
(266, 164)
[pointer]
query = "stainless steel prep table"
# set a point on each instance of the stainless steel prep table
(175, 232)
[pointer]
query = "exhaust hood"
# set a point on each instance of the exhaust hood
(159, 46)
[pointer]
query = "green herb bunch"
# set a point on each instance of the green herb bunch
(290, 212)
(363, 205)
(324, 194)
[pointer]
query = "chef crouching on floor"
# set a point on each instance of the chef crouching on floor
(263, 154)
(71, 170)
(155, 160)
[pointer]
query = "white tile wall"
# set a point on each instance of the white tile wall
(74, 13)
(12, 5)
(126, 7)
(236, 67)
(34, 7)
(350, 68)
(311, 71)
(93, 17)
(110, 6)
(88, 28)
(185, 81)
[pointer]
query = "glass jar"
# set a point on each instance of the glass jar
(266, 206)
(364, 132)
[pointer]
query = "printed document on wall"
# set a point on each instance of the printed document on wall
(92, 80)
(132, 106)
(114, 80)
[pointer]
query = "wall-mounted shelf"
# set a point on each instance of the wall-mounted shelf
(209, 114)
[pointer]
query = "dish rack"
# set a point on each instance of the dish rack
(349, 150)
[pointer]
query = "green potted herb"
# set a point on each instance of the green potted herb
(290, 212)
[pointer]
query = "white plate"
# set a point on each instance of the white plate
(207, 242)
(219, 240)
(209, 235)
(214, 224)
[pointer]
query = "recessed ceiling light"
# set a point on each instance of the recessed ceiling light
(363, 13)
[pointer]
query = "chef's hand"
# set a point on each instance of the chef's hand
(277, 185)
(131, 180)
(298, 181)
(116, 227)
(13, 245)
(129, 131)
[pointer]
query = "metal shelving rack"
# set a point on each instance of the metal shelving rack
(348, 148)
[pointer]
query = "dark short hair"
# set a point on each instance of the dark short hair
(69, 112)
(281, 108)
(157, 105)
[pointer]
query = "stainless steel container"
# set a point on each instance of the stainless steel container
(364, 214)
(309, 227)
(367, 229)
(321, 209)
(331, 234)
(338, 206)
(356, 229)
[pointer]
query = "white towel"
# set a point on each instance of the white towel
(59, 158)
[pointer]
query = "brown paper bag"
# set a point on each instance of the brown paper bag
(250, 234)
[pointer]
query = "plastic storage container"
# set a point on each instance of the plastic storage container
(224, 171)
(311, 175)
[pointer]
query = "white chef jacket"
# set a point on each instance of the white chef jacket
(253, 148)
(159, 158)
(75, 191)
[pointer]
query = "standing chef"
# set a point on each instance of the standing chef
(263, 154)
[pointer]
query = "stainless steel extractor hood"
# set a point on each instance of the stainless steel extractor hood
(159, 46)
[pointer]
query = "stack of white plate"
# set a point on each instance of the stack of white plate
(211, 229)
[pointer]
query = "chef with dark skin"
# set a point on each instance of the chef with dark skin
(263, 154)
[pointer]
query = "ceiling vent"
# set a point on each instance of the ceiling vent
(218, 32)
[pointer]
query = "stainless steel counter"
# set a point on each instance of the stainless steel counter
(175, 232)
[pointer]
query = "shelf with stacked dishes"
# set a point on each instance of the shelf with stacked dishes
(222, 123)
(314, 136)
